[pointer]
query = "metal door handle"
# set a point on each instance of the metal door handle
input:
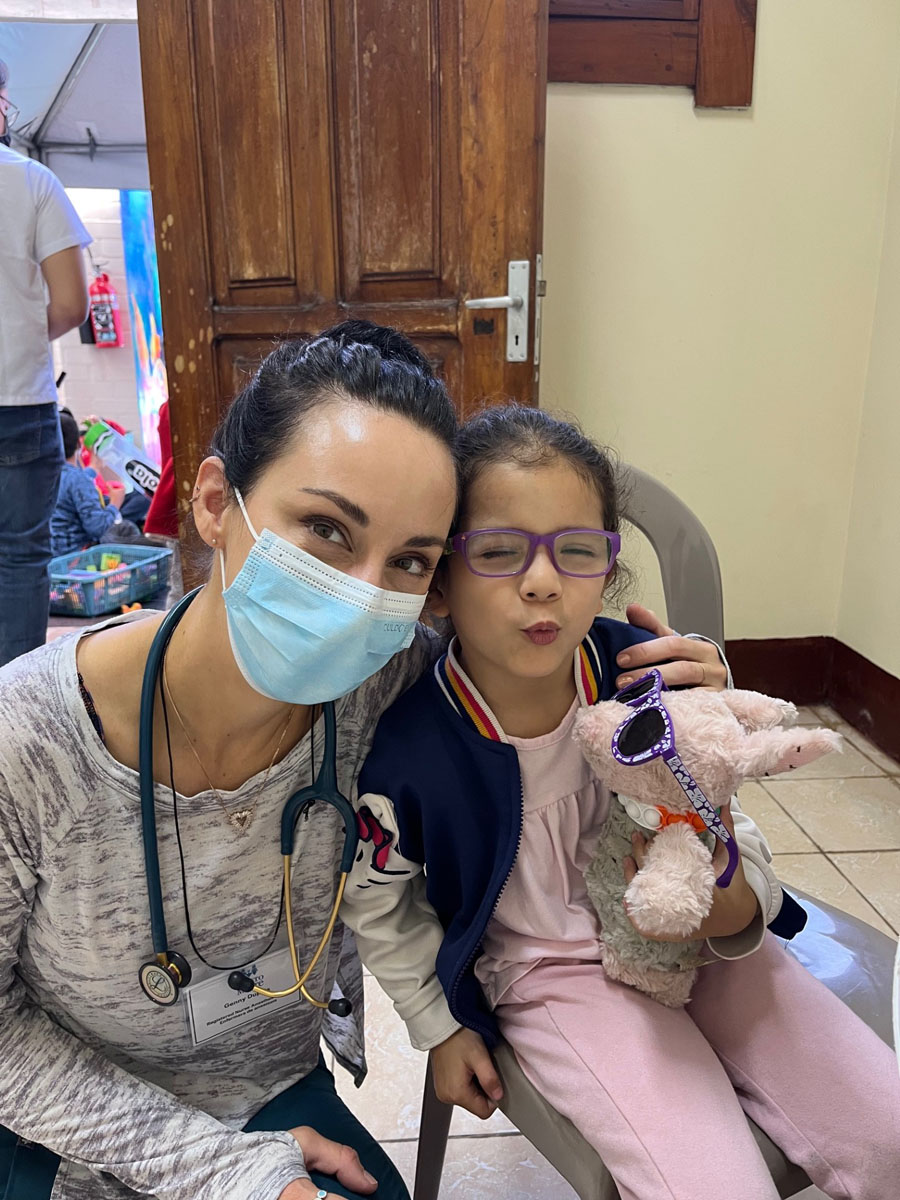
(516, 303)
(496, 302)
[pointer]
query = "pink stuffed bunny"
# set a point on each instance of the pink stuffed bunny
(723, 738)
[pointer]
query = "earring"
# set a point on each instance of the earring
(214, 541)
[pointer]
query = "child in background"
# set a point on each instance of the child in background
(83, 517)
(474, 776)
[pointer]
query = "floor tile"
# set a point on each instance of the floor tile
(825, 715)
(489, 1168)
(843, 814)
(808, 716)
(389, 1103)
(810, 1193)
(877, 876)
(821, 878)
(845, 763)
(890, 766)
(783, 834)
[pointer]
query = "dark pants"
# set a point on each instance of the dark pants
(27, 1171)
(31, 458)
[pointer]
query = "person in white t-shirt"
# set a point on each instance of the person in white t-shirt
(43, 294)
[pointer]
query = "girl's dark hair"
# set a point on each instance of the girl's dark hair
(355, 360)
(530, 437)
(70, 432)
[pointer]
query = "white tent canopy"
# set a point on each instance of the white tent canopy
(78, 87)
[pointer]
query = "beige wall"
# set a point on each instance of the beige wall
(869, 615)
(712, 279)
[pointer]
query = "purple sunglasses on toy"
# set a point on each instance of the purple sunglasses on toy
(647, 734)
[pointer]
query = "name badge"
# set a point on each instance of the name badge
(213, 1008)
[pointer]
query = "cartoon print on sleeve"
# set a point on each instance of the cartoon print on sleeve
(383, 851)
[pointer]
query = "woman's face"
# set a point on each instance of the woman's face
(366, 491)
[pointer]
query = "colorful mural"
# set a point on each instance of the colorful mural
(146, 319)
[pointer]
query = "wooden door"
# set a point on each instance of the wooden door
(317, 159)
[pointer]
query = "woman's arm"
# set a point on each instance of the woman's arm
(689, 661)
(59, 1092)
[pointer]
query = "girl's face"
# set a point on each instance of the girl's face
(493, 617)
(365, 491)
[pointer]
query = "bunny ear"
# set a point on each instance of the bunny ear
(771, 751)
(756, 711)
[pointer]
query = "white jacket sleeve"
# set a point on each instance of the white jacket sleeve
(397, 931)
(756, 857)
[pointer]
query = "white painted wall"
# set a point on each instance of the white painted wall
(712, 288)
(869, 613)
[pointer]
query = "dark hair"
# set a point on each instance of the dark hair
(70, 432)
(355, 360)
(530, 437)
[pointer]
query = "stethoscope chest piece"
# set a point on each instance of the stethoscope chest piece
(160, 982)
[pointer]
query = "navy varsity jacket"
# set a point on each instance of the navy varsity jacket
(457, 797)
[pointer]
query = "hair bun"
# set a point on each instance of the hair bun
(391, 344)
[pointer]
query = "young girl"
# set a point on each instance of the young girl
(474, 775)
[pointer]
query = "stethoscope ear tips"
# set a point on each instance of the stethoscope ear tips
(239, 982)
(341, 1007)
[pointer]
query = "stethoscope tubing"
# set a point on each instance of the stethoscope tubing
(324, 788)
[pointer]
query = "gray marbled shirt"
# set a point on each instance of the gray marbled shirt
(90, 1067)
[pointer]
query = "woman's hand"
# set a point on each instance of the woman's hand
(733, 908)
(688, 663)
(464, 1074)
(327, 1158)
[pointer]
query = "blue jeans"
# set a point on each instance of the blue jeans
(27, 1171)
(31, 458)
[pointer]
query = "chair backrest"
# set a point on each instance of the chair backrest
(687, 557)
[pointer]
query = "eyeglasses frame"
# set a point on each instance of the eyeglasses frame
(664, 748)
(459, 543)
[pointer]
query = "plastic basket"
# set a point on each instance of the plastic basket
(77, 590)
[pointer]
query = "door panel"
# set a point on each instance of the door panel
(317, 159)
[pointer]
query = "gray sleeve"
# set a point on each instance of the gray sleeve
(70, 1098)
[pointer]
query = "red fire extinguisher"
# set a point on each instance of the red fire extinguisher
(105, 320)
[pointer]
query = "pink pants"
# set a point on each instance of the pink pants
(661, 1093)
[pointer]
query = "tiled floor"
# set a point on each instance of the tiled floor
(834, 828)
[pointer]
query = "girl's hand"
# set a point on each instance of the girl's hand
(327, 1158)
(464, 1074)
(733, 908)
(687, 662)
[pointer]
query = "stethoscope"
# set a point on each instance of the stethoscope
(163, 976)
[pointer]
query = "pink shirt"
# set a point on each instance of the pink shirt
(544, 911)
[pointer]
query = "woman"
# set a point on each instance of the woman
(330, 491)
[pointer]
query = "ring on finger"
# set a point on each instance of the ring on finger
(702, 667)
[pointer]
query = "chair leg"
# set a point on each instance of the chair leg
(433, 1133)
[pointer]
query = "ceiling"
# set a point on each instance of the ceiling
(78, 87)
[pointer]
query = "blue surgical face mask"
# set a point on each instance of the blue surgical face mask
(302, 631)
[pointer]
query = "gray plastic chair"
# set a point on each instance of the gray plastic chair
(852, 959)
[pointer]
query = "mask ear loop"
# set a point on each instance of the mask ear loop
(246, 516)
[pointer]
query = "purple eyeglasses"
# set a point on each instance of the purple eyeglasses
(581, 553)
(647, 734)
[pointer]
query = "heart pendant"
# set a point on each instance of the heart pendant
(241, 819)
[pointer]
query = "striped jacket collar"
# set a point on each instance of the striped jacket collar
(464, 697)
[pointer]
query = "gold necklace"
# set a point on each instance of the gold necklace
(241, 818)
